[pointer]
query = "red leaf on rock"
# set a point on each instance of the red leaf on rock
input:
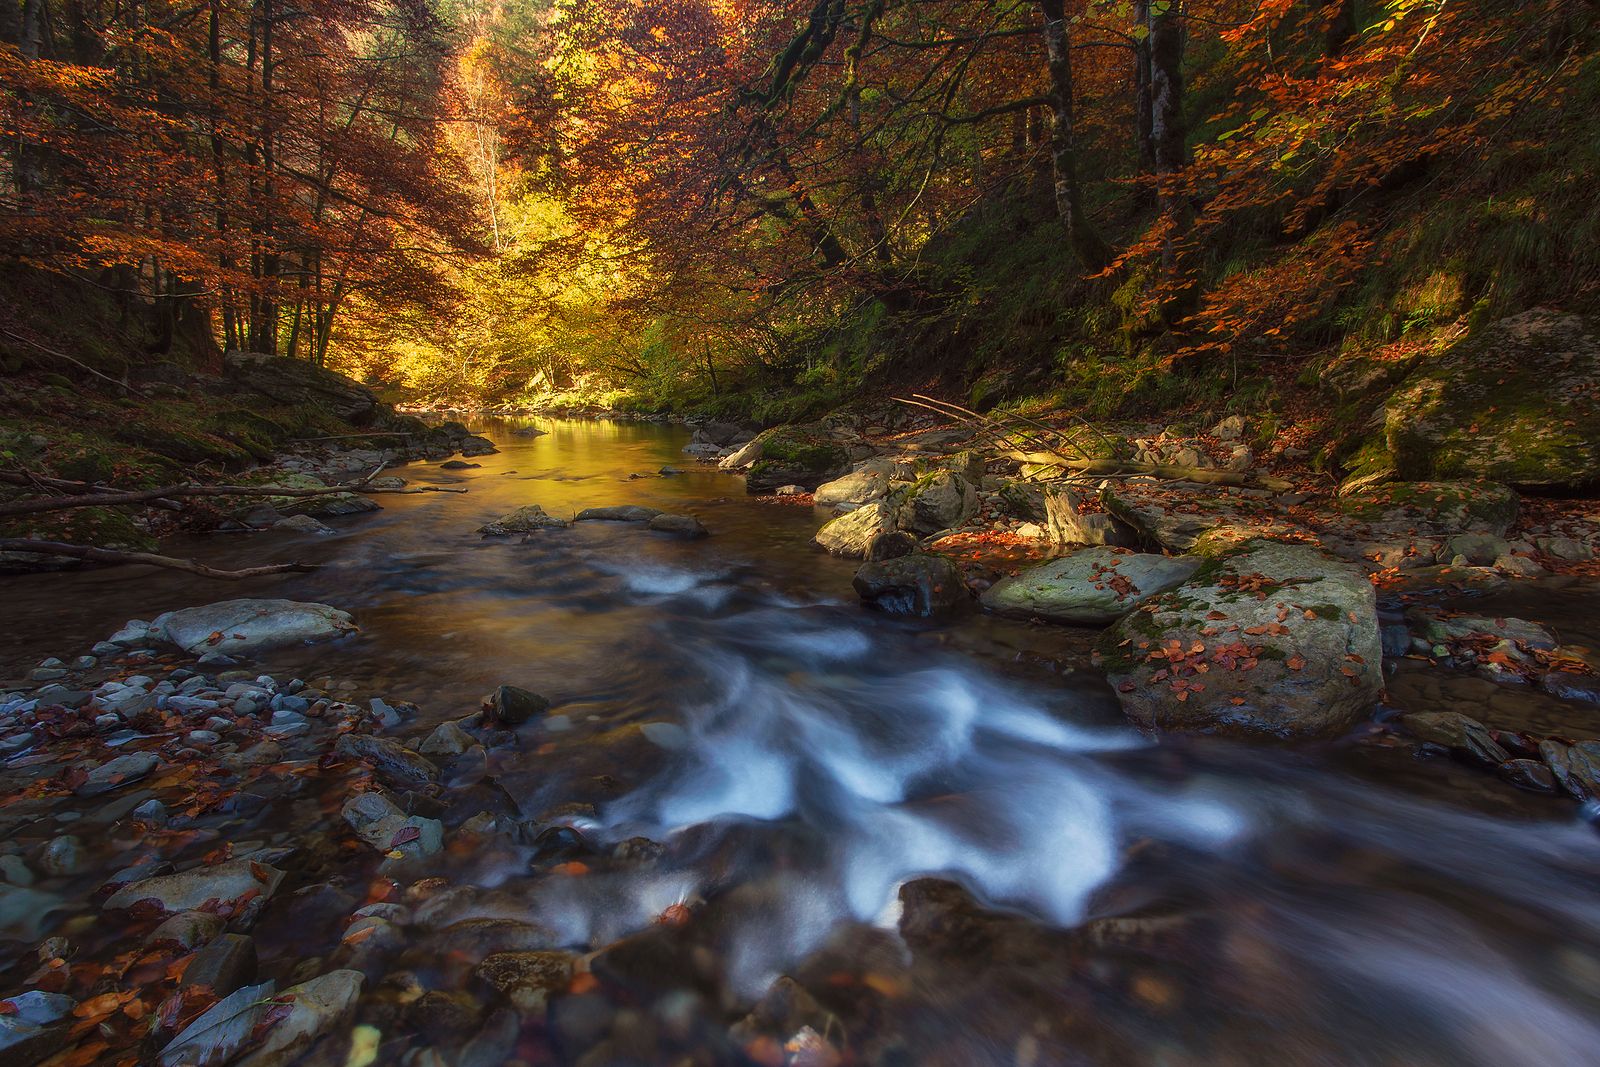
(404, 836)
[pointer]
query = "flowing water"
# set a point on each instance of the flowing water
(1196, 902)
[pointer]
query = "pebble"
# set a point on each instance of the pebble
(15, 871)
(62, 856)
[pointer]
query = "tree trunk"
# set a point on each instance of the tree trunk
(1342, 25)
(1142, 92)
(1087, 245)
(1166, 118)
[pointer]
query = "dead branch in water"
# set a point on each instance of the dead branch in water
(111, 555)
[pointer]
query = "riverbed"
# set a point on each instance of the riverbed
(1119, 901)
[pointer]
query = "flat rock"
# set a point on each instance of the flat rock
(117, 772)
(1463, 735)
(869, 532)
(246, 626)
(188, 890)
(512, 705)
(859, 487)
(1093, 587)
(527, 978)
(1274, 640)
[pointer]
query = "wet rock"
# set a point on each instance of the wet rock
(1528, 774)
(317, 1007)
(443, 1017)
(1069, 521)
(513, 705)
(188, 930)
(248, 626)
(61, 857)
(188, 890)
(686, 526)
(222, 966)
(1288, 637)
(1580, 687)
(1576, 767)
(458, 465)
(869, 532)
(15, 871)
(622, 513)
(447, 739)
(942, 500)
(526, 979)
(919, 584)
(1565, 548)
(523, 520)
(477, 939)
(34, 1026)
(116, 773)
(391, 761)
(1463, 736)
(1092, 587)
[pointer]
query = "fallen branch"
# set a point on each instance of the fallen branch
(354, 436)
(75, 362)
(111, 555)
(100, 497)
(1111, 468)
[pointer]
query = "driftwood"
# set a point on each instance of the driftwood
(355, 436)
(1129, 468)
(101, 497)
(110, 555)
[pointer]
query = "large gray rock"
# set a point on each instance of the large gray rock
(942, 500)
(870, 532)
(248, 626)
(1274, 640)
(1092, 587)
(1514, 402)
(187, 890)
(747, 455)
(918, 584)
(869, 483)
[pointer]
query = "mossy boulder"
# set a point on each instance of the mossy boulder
(1272, 640)
(805, 455)
(939, 501)
(1516, 402)
(1434, 508)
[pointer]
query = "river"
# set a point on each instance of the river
(1194, 902)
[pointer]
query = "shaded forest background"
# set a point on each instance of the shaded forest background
(765, 210)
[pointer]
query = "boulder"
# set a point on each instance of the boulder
(918, 584)
(512, 705)
(1432, 509)
(621, 513)
(1271, 640)
(1069, 522)
(1514, 402)
(248, 626)
(1092, 587)
(869, 483)
(870, 532)
(939, 501)
(1576, 767)
(796, 455)
(526, 519)
(686, 526)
